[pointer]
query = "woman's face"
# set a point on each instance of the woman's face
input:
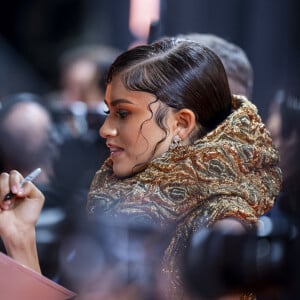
(130, 129)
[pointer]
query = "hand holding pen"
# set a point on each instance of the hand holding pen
(21, 203)
(20, 200)
(30, 177)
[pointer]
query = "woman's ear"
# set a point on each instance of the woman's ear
(186, 123)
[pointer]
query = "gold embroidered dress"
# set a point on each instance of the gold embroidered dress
(231, 172)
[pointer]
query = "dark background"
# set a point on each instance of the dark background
(34, 33)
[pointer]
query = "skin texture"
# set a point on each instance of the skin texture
(131, 131)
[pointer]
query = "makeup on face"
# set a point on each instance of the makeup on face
(131, 130)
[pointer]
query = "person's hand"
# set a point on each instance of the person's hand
(18, 217)
(22, 211)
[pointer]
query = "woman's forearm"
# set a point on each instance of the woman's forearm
(23, 249)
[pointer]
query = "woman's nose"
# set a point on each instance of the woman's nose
(107, 129)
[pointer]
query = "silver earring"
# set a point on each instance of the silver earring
(176, 142)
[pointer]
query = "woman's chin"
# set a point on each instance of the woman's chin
(127, 172)
(121, 173)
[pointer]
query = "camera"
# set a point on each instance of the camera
(117, 256)
(262, 261)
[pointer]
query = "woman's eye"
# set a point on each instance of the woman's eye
(122, 113)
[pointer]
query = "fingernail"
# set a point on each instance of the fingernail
(7, 203)
(8, 196)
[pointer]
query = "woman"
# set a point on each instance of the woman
(184, 153)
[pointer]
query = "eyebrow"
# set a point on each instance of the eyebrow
(118, 101)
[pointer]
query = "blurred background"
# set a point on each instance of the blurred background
(34, 34)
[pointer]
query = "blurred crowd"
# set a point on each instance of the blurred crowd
(58, 132)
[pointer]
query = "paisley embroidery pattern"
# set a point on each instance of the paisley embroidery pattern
(231, 172)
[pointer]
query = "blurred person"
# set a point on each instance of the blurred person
(184, 154)
(83, 73)
(78, 112)
(284, 124)
(235, 60)
(80, 99)
(77, 109)
(28, 141)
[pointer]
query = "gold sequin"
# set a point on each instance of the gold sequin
(231, 172)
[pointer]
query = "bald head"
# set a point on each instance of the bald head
(27, 124)
(24, 137)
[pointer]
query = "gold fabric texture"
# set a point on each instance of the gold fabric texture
(231, 172)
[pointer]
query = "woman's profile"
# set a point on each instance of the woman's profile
(184, 153)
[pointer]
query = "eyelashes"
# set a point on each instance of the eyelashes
(121, 113)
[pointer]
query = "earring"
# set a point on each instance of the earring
(176, 142)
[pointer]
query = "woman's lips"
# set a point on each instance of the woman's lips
(115, 151)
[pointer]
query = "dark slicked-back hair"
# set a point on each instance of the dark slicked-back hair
(235, 60)
(181, 74)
